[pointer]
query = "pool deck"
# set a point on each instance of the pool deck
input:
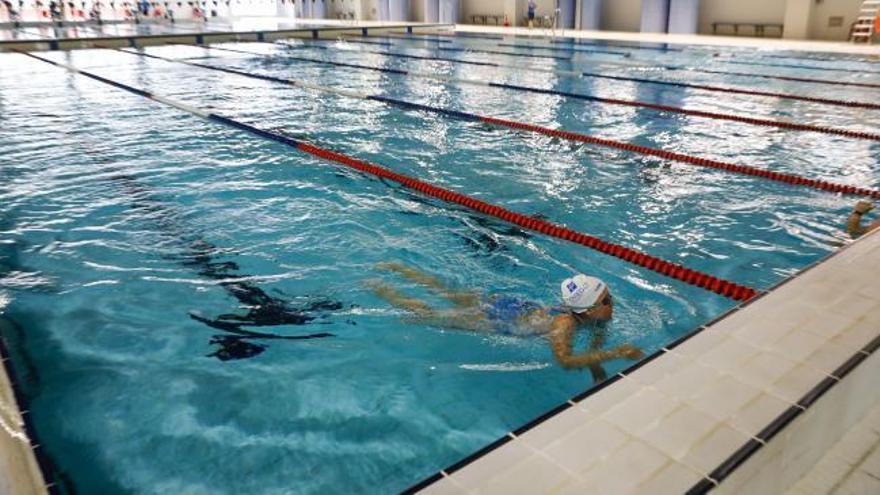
(690, 418)
(685, 39)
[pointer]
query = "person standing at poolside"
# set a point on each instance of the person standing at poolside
(586, 303)
(854, 222)
(531, 13)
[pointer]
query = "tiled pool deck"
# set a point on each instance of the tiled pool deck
(731, 408)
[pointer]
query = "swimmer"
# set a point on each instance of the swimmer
(586, 303)
(854, 223)
(531, 13)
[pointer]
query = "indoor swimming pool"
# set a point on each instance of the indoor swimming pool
(190, 306)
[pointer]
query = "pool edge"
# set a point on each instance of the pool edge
(20, 470)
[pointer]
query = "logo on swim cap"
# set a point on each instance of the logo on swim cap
(580, 293)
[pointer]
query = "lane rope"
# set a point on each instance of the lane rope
(752, 92)
(497, 52)
(580, 74)
(634, 103)
(607, 43)
(567, 50)
(577, 41)
(780, 78)
(786, 178)
(704, 87)
(692, 277)
(796, 66)
(710, 71)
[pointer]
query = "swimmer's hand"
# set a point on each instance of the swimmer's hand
(863, 207)
(628, 351)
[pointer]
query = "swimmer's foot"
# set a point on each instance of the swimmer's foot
(382, 289)
(373, 283)
(393, 266)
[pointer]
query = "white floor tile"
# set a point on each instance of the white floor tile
(586, 446)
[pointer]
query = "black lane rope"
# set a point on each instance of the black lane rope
(349, 39)
(580, 41)
(663, 67)
(693, 277)
(733, 73)
(796, 66)
(703, 87)
(568, 135)
(566, 50)
(777, 77)
(634, 103)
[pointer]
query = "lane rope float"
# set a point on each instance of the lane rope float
(689, 276)
(786, 178)
(634, 103)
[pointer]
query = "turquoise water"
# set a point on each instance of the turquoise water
(123, 222)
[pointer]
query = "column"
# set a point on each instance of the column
(397, 10)
(432, 10)
(590, 14)
(511, 12)
(319, 9)
(566, 13)
(382, 10)
(684, 16)
(796, 24)
(655, 16)
(448, 11)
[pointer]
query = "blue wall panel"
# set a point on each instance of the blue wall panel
(591, 14)
(655, 16)
(684, 16)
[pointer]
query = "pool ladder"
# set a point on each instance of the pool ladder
(864, 27)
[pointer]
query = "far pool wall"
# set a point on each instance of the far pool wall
(803, 19)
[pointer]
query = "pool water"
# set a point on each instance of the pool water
(138, 242)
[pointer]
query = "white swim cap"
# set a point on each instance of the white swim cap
(580, 293)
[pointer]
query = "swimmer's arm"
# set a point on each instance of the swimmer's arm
(561, 340)
(854, 224)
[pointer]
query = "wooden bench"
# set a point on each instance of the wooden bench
(758, 27)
